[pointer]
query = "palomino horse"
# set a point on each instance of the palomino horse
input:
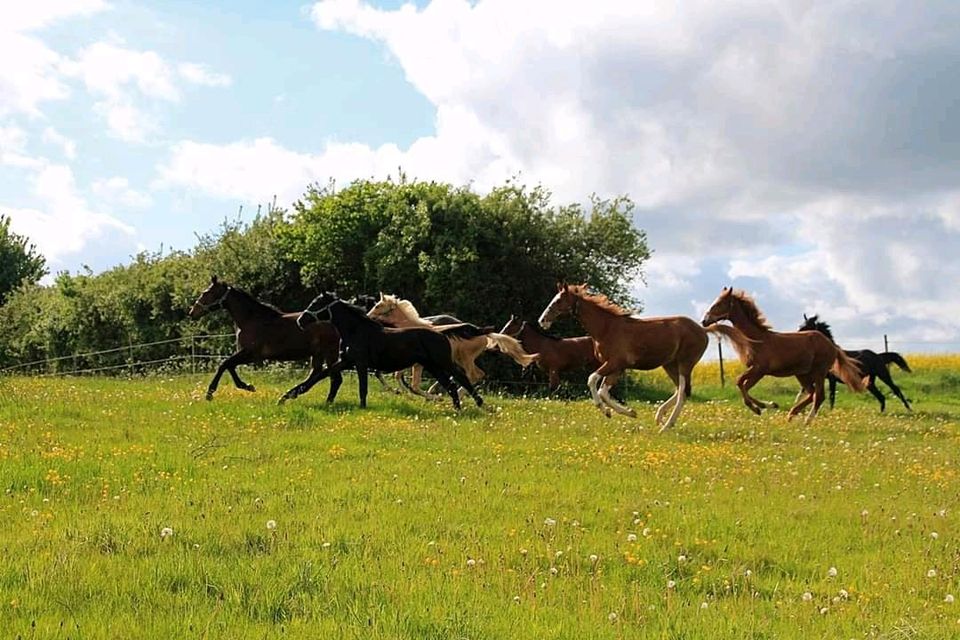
(624, 341)
(367, 345)
(872, 364)
(402, 313)
(266, 333)
(556, 354)
(808, 355)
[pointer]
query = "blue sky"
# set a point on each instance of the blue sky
(807, 152)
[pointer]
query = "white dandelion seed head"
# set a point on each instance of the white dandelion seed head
(671, 584)
(631, 537)
(516, 599)
(594, 557)
(748, 573)
(612, 617)
(932, 573)
(554, 571)
(681, 558)
(646, 532)
(832, 572)
(704, 605)
(948, 598)
(166, 532)
(550, 522)
(271, 524)
(823, 611)
(523, 552)
(844, 594)
(934, 535)
(807, 596)
(471, 562)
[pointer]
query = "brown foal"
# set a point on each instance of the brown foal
(556, 354)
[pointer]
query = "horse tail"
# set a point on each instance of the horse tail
(895, 358)
(511, 347)
(463, 331)
(744, 346)
(848, 370)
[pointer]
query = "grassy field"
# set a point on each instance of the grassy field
(133, 508)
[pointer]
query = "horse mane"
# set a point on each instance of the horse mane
(538, 330)
(405, 306)
(816, 324)
(264, 306)
(598, 299)
(750, 308)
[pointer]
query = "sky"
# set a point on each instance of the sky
(807, 152)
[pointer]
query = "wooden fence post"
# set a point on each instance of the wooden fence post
(723, 380)
(886, 345)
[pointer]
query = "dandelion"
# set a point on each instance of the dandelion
(832, 572)
(807, 596)
(932, 573)
(558, 554)
(704, 605)
(671, 584)
(523, 552)
(325, 545)
(612, 617)
(550, 522)
(554, 571)
(747, 573)
(948, 598)
(823, 611)
(801, 497)
(934, 535)
(942, 513)
(271, 524)
(471, 562)
(631, 537)
(844, 594)
(594, 557)
(166, 532)
(516, 599)
(681, 558)
(646, 532)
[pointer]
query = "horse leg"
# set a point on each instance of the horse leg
(674, 373)
(554, 376)
(467, 384)
(833, 388)
(681, 398)
(383, 383)
(806, 383)
(443, 378)
(362, 380)
(817, 401)
(872, 388)
(315, 375)
(593, 381)
(604, 393)
(746, 380)
(885, 376)
(240, 357)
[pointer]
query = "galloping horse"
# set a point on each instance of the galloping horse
(266, 333)
(366, 345)
(624, 341)
(556, 354)
(402, 313)
(873, 365)
(808, 355)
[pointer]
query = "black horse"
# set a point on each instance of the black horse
(872, 364)
(367, 345)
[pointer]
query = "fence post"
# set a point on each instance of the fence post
(723, 380)
(886, 345)
(193, 353)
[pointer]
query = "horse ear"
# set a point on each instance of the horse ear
(805, 318)
(213, 279)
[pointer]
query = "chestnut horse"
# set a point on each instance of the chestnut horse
(808, 355)
(556, 354)
(401, 313)
(266, 333)
(624, 341)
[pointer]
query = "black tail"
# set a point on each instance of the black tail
(895, 358)
(463, 330)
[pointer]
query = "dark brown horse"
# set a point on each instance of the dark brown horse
(557, 355)
(266, 333)
(624, 341)
(808, 355)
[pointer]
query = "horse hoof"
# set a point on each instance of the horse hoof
(281, 401)
(209, 396)
(608, 413)
(250, 388)
(773, 405)
(631, 413)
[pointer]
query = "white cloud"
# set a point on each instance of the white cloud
(65, 223)
(200, 75)
(117, 190)
(54, 137)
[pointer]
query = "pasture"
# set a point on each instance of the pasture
(133, 508)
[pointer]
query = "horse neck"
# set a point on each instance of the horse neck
(595, 319)
(404, 318)
(741, 320)
(531, 340)
(242, 308)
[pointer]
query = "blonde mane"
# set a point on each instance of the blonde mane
(750, 308)
(405, 308)
(600, 300)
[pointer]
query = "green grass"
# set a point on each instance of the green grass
(407, 520)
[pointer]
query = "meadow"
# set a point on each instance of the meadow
(132, 508)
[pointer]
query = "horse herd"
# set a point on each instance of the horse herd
(388, 335)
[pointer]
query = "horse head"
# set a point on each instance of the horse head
(564, 303)
(211, 298)
(720, 309)
(318, 310)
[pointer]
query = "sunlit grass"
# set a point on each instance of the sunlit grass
(133, 508)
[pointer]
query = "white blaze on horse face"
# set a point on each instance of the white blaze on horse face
(546, 318)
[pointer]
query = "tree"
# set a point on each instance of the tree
(19, 261)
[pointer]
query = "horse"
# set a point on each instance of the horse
(403, 313)
(874, 365)
(808, 355)
(366, 344)
(556, 354)
(266, 333)
(624, 341)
